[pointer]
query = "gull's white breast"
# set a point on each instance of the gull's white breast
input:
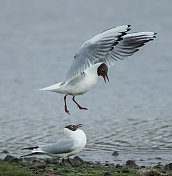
(79, 138)
(83, 83)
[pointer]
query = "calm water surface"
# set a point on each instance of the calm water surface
(131, 114)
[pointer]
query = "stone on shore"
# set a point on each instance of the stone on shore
(11, 159)
(150, 172)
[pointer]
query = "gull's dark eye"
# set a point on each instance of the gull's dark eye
(102, 70)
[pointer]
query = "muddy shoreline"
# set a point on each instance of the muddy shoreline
(54, 166)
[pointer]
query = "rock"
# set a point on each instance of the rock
(77, 159)
(115, 153)
(150, 172)
(11, 159)
(106, 164)
(158, 166)
(168, 166)
(107, 174)
(118, 166)
(5, 152)
(158, 158)
(125, 171)
(51, 161)
(131, 163)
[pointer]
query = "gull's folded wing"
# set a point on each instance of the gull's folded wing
(62, 146)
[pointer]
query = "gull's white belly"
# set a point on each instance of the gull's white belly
(81, 85)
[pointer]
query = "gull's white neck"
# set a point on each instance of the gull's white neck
(73, 134)
(78, 135)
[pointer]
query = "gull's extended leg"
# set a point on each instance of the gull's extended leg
(69, 162)
(66, 110)
(80, 107)
(63, 161)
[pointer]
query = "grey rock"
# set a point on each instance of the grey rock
(107, 174)
(115, 153)
(5, 152)
(168, 166)
(158, 158)
(125, 171)
(131, 163)
(51, 161)
(118, 166)
(158, 166)
(150, 172)
(11, 159)
(77, 159)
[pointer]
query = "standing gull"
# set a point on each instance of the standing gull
(95, 57)
(74, 141)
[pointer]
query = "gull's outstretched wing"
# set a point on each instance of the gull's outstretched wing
(108, 47)
(128, 45)
(95, 49)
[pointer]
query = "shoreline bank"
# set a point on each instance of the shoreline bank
(11, 165)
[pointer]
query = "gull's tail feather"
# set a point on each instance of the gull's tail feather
(34, 153)
(30, 154)
(53, 88)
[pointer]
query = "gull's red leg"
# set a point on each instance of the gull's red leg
(63, 161)
(69, 162)
(80, 107)
(66, 110)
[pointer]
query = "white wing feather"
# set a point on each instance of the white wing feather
(107, 47)
(95, 49)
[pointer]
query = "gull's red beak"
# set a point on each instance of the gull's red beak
(79, 125)
(105, 76)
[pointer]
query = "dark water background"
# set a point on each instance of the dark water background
(131, 114)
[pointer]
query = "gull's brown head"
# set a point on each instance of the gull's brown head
(102, 71)
(74, 127)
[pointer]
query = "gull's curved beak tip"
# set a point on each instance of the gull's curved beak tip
(79, 125)
(105, 76)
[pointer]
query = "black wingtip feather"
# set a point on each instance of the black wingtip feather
(128, 29)
(29, 148)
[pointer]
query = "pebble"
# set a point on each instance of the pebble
(131, 163)
(107, 174)
(125, 171)
(150, 172)
(77, 159)
(115, 153)
(51, 161)
(5, 152)
(118, 166)
(11, 159)
(168, 166)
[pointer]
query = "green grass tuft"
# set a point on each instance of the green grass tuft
(12, 170)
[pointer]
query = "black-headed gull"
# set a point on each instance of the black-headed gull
(74, 141)
(95, 56)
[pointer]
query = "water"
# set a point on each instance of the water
(131, 114)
